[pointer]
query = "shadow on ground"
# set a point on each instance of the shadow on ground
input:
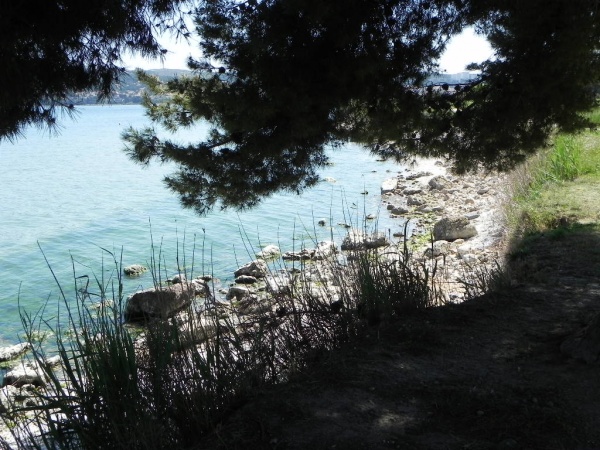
(485, 374)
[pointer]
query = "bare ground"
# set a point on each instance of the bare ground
(484, 374)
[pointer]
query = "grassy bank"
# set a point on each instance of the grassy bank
(555, 197)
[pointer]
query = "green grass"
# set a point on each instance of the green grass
(556, 188)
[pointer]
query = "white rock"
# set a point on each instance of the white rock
(470, 259)
(324, 250)
(269, 251)
(389, 185)
(14, 351)
(464, 249)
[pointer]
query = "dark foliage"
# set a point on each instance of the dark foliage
(298, 75)
(283, 79)
(50, 49)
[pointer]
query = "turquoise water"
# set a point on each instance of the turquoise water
(76, 192)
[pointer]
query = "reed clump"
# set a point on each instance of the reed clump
(170, 382)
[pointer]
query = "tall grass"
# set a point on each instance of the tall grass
(568, 158)
(565, 162)
(389, 284)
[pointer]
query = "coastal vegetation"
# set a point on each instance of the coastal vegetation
(178, 381)
(279, 83)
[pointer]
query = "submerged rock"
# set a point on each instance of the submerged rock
(134, 270)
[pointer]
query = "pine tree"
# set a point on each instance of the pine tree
(50, 49)
(284, 79)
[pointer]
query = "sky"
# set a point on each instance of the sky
(463, 49)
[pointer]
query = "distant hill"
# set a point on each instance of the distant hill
(130, 90)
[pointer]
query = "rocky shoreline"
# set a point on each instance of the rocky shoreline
(454, 222)
(459, 220)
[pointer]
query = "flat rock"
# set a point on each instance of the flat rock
(389, 185)
(24, 374)
(14, 351)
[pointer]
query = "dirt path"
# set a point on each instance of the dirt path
(484, 374)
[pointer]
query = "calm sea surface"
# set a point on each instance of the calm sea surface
(76, 193)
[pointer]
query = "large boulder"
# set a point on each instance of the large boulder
(13, 351)
(159, 303)
(452, 228)
(257, 269)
